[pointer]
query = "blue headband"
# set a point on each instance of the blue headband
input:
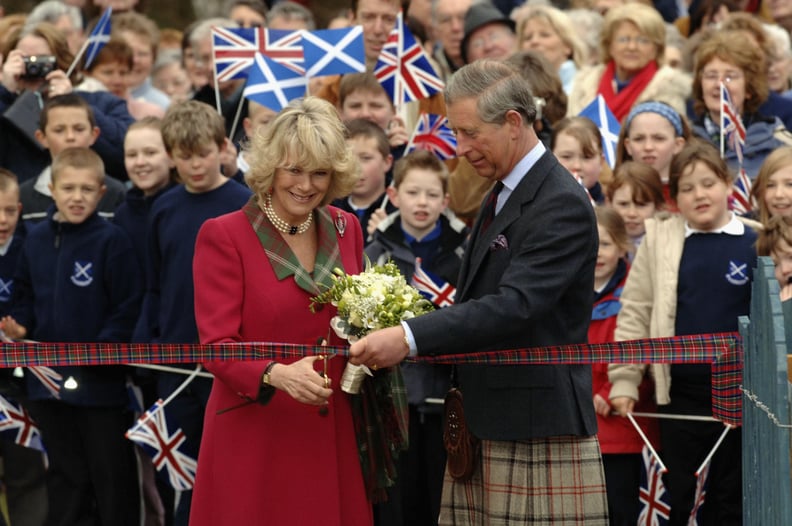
(661, 109)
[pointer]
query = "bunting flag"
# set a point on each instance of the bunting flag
(433, 134)
(17, 423)
(51, 378)
(599, 113)
(433, 287)
(235, 49)
(273, 85)
(731, 126)
(701, 492)
(334, 51)
(98, 37)
(403, 68)
(653, 497)
(151, 433)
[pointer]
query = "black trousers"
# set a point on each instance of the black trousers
(622, 480)
(92, 477)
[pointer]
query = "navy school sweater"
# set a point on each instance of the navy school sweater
(79, 283)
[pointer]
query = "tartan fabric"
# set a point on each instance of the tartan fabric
(283, 260)
(547, 481)
(723, 351)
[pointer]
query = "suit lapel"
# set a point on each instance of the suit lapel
(480, 244)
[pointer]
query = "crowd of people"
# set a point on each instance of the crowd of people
(142, 200)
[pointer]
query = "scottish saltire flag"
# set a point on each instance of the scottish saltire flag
(334, 51)
(433, 287)
(403, 68)
(273, 85)
(741, 201)
(653, 497)
(51, 378)
(235, 49)
(608, 125)
(152, 434)
(98, 37)
(16, 423)
(701, 492)
(432, 133)
(731, 125)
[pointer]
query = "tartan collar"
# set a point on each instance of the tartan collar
(283, 260)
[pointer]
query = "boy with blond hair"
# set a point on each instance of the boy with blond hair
(194, 137)
(78, 280)
(421, 228)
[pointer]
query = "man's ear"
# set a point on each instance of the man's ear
(94, 135)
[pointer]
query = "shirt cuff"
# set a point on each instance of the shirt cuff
(410, 339)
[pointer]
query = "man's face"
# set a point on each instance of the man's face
(490, 148)
(450, 27)
(378, 17)
(496, 41)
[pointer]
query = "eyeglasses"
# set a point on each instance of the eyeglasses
(639, 40)
(715, 76)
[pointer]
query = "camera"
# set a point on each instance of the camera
(38, 66)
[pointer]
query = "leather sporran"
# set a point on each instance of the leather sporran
(460, 444)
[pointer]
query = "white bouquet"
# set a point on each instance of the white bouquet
(377, 298)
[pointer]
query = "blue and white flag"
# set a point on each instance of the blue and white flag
(608, 125)
(98, 37)
(334, 51)
(273, 85)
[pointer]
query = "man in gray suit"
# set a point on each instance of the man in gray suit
(527, 280)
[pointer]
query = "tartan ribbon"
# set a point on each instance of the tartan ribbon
(723, 350)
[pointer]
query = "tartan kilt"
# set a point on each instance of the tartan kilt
(556, 480)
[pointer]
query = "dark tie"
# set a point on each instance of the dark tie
(489, 208)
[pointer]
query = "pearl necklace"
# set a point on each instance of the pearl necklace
(281, 225)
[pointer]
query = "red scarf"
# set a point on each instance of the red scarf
(620, 103)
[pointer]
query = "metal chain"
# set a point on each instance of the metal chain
(761, 405)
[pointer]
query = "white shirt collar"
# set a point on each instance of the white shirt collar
(4, 248)
(519, 171)
(43, 181)
(242, 163)
(734, 227)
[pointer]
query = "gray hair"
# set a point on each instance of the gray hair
(497, 89)
(290, 11)
(204, 30)
(51, 11)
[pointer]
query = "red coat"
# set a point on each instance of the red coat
(617, 434)
(280, 463)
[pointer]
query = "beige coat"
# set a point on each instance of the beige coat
(649, 302)
(669, 85)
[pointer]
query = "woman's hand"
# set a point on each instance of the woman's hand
(601, 406)
(13, 68)
(58, 83)
(623, 405)
(301, 381)
(13, 330)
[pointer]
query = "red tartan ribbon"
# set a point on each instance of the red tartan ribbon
(723, 350)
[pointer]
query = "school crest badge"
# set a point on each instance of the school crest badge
(82, 275)
(738, 273)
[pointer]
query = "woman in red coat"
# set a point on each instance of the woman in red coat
(620, 443)
(278, 443)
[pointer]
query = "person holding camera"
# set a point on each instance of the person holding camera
(36, 61)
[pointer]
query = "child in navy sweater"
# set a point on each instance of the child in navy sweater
(692, 275)
(194, 137)
(78, 280)
(420, 229)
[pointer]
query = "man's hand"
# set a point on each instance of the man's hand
(383, 348)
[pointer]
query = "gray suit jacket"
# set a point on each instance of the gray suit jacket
(536, 290)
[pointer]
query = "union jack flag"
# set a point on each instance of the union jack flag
(741, 200)
(51, 378)
(152, 434)
(403, 68)
(433, 287)
(235, 49)
(731, 125)
(701, 492)
(655, 509)
(432, 133)
(16, 421)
